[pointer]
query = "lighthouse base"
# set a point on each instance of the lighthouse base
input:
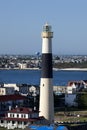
(46, 100)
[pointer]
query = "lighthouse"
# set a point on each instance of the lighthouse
(46, 106)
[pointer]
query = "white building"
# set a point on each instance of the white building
(22, 65)
(71, 88)
(59, 89)
(70, 95)
(20, 118)
(11, 85)
(35, 90)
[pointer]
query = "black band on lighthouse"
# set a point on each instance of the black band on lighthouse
(46, 66)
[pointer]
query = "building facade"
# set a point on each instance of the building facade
(19, 118)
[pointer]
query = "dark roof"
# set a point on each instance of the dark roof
(85, 81)
(5, 98)
(22, 110)
(70, 83)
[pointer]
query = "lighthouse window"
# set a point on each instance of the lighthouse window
(47, 28)
(43, 84)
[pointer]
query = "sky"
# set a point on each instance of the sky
(21, 23)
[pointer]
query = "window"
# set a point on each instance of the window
(17, 115)
(24, 116)
(25, 123)
(1, 121)
(13, 115)
(13, 122)
(10, 115)
(21, 115)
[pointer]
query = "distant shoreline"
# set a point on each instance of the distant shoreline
(19, 69)
(55, 69)
(72, 69)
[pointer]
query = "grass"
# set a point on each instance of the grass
(71, 116)
(2, 128)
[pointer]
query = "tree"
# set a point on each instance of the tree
(82, 100)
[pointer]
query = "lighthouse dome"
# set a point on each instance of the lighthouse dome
(46, 28)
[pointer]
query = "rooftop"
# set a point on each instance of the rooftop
(4, 98)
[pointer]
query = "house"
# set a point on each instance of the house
(28, 89)
(34, 90)
(78, 86)
(22, 65)
(58, 90)
(23, 88)
(20, 117)
(72, 89)
(6, 90)
(16, 88)
(70, 94)
(10, 101)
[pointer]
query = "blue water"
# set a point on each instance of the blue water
(33, 76)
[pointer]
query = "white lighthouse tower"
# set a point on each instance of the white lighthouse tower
(46, 107)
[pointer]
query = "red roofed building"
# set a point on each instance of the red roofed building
(71, 91)
(10, 101)
(5, 98)
(20, 118)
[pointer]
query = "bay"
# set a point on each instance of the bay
(60, 77)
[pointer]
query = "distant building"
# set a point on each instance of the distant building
(34, 89)
(59, 90)
(71, 88)
(6, 90)
(28, 89)
(71, 92)
(23, 88)
(12, 85)
(22, 65)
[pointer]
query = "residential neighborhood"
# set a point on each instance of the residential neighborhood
(34, 61)
(19, 102)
